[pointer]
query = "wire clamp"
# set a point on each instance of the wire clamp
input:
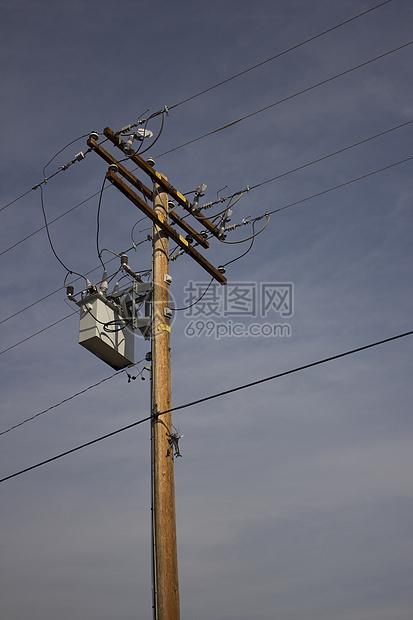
(173, 449)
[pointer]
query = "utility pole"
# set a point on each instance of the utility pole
(164, 548)
(165, 555)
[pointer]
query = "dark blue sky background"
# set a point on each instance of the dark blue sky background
(294, 497)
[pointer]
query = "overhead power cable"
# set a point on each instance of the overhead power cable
(346, 148)
(233, 77)
(382, 133)
(79, 157)
(290, 49)
(331, 189)
(65, 400)
(17, 199)
(52, 222)
(211, 397)
(37, 333)
(267, 213)
(62, 288)
(272, 105)
(365, 140)
(326, 191)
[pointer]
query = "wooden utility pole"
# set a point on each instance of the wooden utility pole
(165, 555)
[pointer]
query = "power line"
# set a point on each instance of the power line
(62, 288)
(267, 213)
(79, 157)
(260, 64)
(330, 189)
(252, 187)
(326, 191)
(37, 333)
(69, 271)
(272, 105)
(290, 49)
(51, 222)
(17, 199)
(346, 148)
(211, 397)
(65, 400)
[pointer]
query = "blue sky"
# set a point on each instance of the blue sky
(294, 497)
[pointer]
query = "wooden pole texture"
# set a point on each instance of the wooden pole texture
(166, 586)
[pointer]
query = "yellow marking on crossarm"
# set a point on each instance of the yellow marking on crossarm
(164, 328)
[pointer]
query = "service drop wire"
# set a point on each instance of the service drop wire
(256, 219)
(69, 271)
(86, 135)
(158, 136)
(248, 249)
(138, 150)
(98, 223)
(197, 301)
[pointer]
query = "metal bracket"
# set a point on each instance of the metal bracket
(173, 449)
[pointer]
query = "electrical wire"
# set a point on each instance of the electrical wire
(86, 135)
(69, 271)
(138, 150)
(272, 105)
(65, 400)
(342, 150)
(37, 333)
(294, 47)
(62, 288)
(98, 223)
(19, 198)
(52, 221)
(331, 189)
(248, 249)
(41, 330)
(134, 226)
(78, 157)
(236, 193)
(211, 397)
(290, 49)
(269, 213)
(157, 137)
(197, 301)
